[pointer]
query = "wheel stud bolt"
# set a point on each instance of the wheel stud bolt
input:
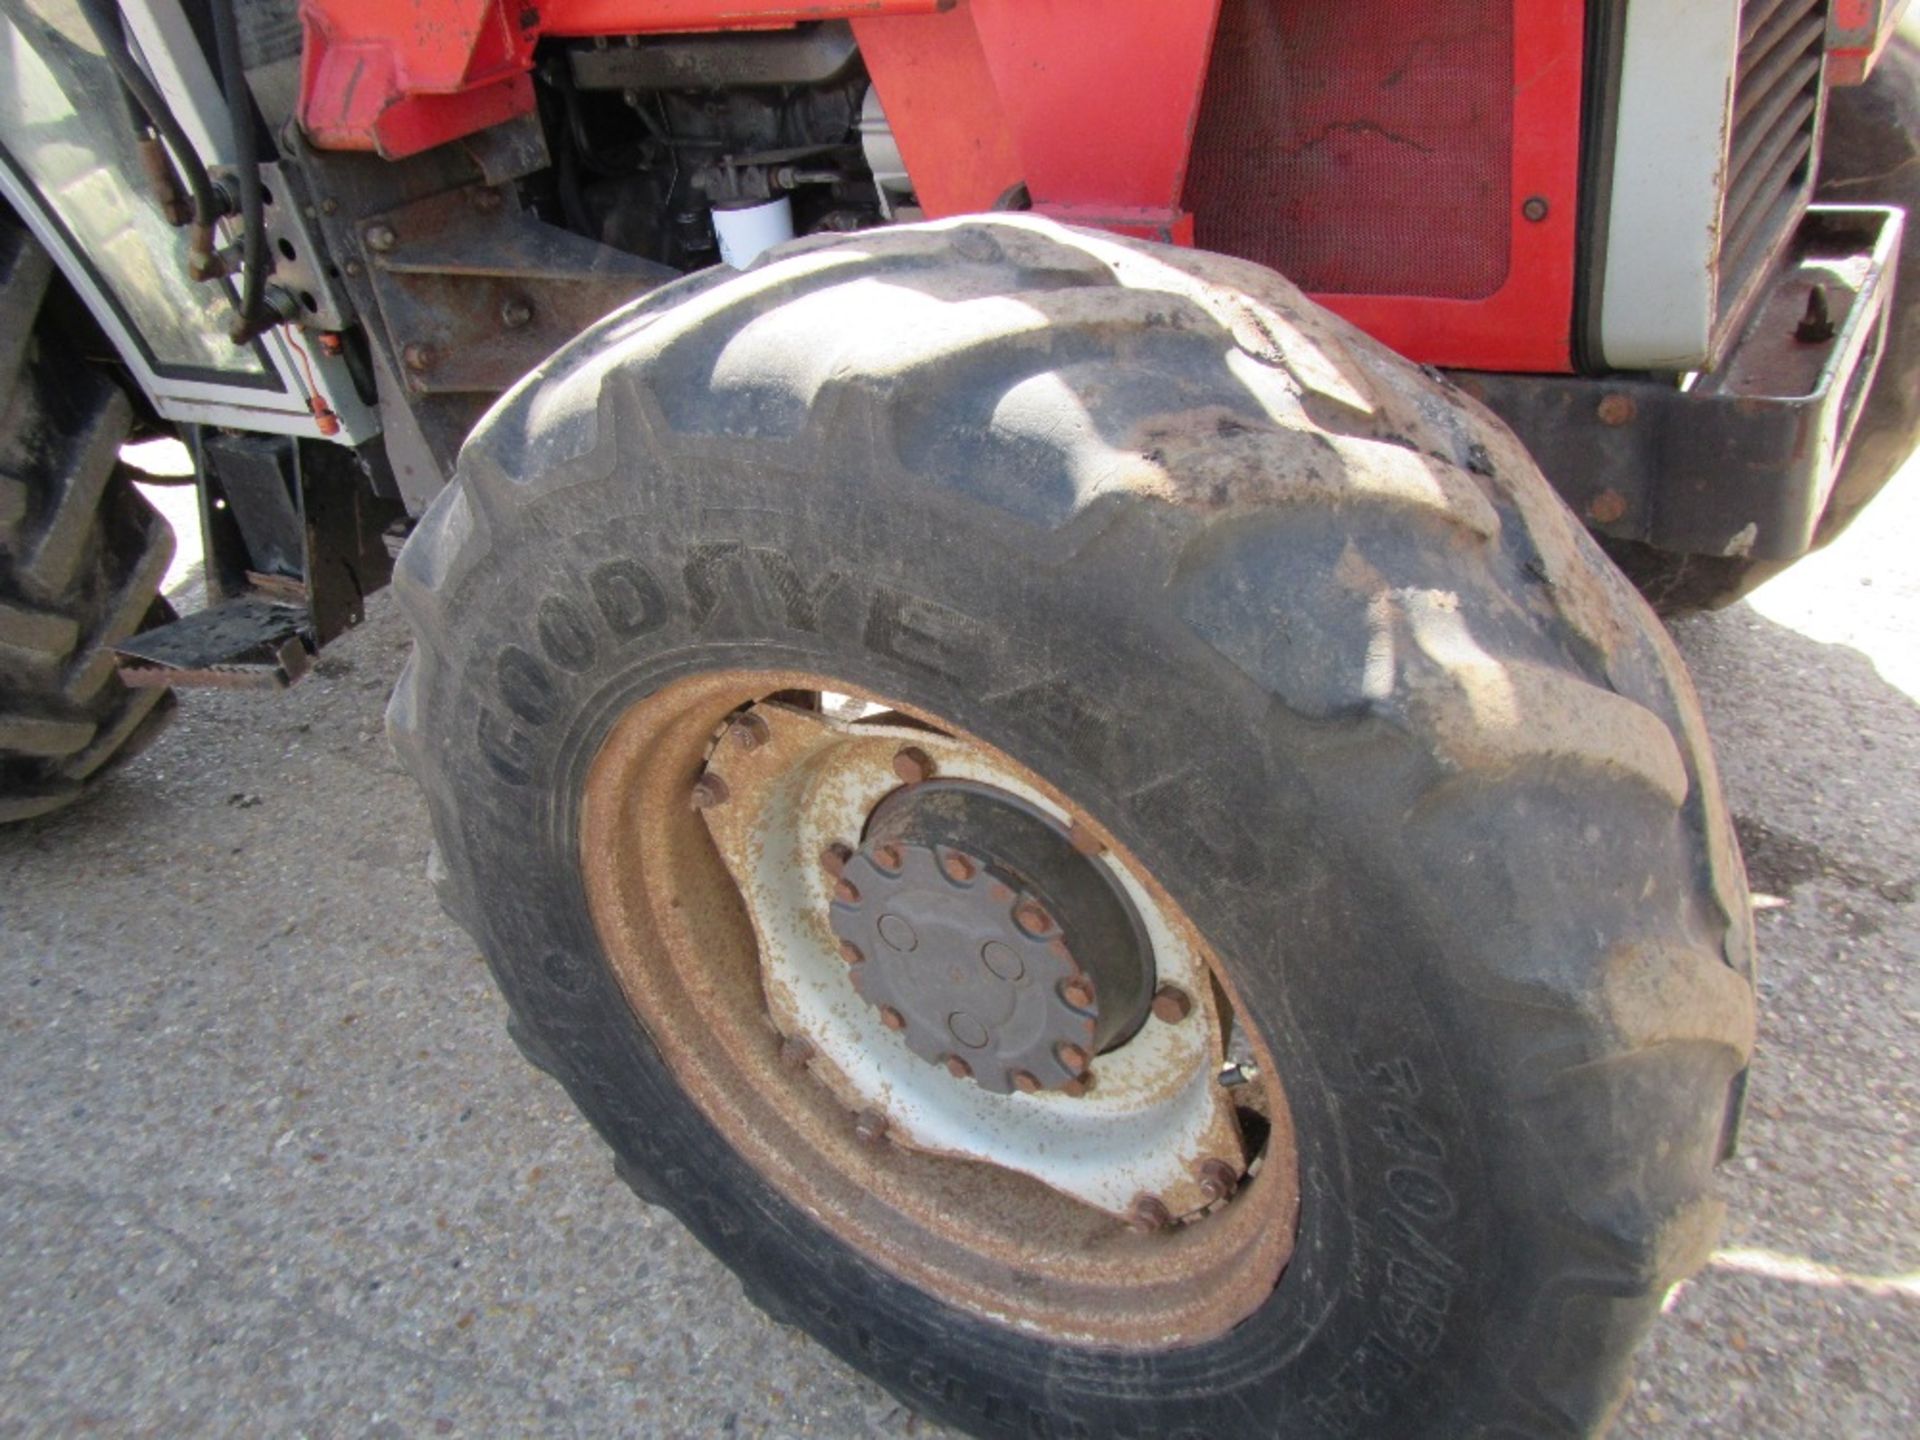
(1032, 917)
(958, 1068)
(1148, 1215)
(1077, 992)
(708, 791)
(750, 732)
(870, 1127)
(834, 858)
(846, 891)
(1171, 1004)
(892, 1018)
(1071, 1056)
(956, 867)
(913, 765)
(1026, 1082)
(795, 1052)
(1218, 1180)
(850, 953)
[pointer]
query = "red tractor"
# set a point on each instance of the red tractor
(1104, 825)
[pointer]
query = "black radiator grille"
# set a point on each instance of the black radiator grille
(1776, 114)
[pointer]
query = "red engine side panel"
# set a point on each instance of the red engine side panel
(1361, 149)
(1415, 168)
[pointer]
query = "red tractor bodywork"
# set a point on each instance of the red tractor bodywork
(1420, 178)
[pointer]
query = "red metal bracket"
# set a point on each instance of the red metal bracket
(1857, 32)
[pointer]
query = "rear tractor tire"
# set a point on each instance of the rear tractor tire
(82, 555)
(1102, 839)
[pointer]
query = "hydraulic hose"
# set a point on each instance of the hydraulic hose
(253, 316)
(103, 16)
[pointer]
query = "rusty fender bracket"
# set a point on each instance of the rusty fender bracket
(1739, 461)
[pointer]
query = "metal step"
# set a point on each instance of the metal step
(249, 643)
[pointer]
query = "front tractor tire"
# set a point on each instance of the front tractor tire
(1158, 656)
(82, 554)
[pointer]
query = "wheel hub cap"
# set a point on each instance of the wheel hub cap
(987, 941)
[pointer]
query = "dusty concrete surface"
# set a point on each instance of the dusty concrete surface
(269, 1164)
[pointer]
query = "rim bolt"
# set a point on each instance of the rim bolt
(751, 731)
(1072, 1056)
(1077, 992)
(888, 858)
(1218, 1180)
(913, 765)
(1032, 917)
(850, 953)
(956, 867)
(870, 1127)
(1171, 1004)
(1026, 1082)
(892, 1018)
(958, 1068)
(795, 1052)
(1148, 1214)
(708, 791)
(848, 892)
(834, 858)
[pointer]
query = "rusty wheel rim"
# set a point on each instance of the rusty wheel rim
(1156, 1267)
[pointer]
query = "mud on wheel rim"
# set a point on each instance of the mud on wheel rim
(938, 1008)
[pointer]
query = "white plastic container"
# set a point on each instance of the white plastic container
(747, 230)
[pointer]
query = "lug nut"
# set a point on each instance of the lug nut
(1148, 1214)
(1084, 840)
(892, 1018)
(958, 1068)
(750, 732)
(846, 891)
(1171, 1004)
(850, 953)
(795, 1052)
(708, 791)
(1026, 1082)
(913, 765)
(956, 867)
(1072, 1056)
(1077, 992)
(381, 237)
(834, 858)
(1218, 1180)
(870, 1127)
(1032, 917)
(888, 857)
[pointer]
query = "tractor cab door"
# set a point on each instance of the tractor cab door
(70, 168)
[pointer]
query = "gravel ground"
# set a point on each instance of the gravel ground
(270, 1165)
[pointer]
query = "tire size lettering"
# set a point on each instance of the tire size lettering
(1418, 1277)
